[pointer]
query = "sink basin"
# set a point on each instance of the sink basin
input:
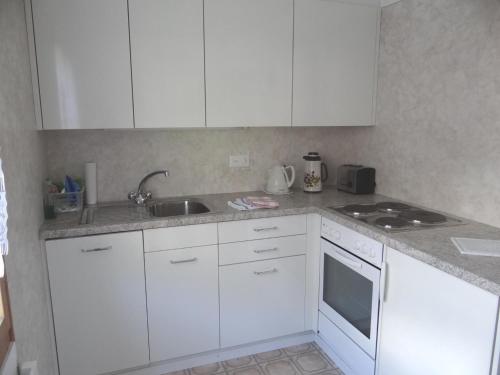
(186, 207)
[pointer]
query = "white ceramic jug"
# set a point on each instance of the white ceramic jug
(278, 181)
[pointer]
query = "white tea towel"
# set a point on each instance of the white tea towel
(4, 243)
(472, 246)
(253, 203)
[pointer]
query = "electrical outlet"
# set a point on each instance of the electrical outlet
(239, 161)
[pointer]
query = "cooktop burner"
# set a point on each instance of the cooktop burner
(396, 216)
(422, 217)
(389, 222)
(392, 206)
(359, 209)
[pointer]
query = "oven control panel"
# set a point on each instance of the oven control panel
(354, 242)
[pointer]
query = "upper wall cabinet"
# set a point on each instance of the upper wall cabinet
(248, 62)
(335, 62)
(83, 58)
(167, 59)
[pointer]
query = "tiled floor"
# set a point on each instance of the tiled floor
(296, 360)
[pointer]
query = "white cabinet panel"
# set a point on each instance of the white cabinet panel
(261, 300)
(335, 62)
(166, 39)
(249, 62)
(434, 323)
(183, 305)
(99, 302)
(83, 58)
(256, 229)
(178, 237)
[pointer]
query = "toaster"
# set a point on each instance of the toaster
(356, 179)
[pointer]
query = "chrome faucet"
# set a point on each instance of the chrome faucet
(140, 196)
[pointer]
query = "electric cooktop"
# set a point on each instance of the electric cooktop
(396, 216)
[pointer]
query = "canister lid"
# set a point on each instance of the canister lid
(312, 156)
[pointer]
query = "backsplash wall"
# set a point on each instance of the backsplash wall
(437, 141)
(198, 159)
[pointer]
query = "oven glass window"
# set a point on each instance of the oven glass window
(348, 293)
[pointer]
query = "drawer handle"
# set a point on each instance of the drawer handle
(97, 249)
(260, 273)
(190, 260)
(265, 250)
(264, 229)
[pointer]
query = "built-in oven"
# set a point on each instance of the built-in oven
(349, 288)
(350, 294)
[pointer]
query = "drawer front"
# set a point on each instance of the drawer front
(249, 251)
(256, 229)
(180, 237)
(261, 300)
(183, 302)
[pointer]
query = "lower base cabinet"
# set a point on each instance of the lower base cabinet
(261, 300)
(433, 323)
(98, 301)
(183, 309)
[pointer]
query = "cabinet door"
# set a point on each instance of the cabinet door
(335, 61)
(183, 302)
(166, 39)
(99, 303)
(433, 323)
(261, 300)
(249, 62)
(83, 59)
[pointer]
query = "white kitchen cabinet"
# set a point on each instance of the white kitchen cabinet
(167, 51)
(335, 62)
(183, 301)
(261, 300)
(433, 323)
(99, 303)
(83, 59)
(248, 62)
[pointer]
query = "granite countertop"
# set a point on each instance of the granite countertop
(432, 246)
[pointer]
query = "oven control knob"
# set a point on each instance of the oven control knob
(357, 246)
(336, 235)
(372, 253)
(365, 249)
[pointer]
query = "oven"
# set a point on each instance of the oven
(349, 290)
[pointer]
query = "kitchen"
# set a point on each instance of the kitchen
(430, 115)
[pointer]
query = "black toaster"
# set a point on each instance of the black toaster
(356, 179)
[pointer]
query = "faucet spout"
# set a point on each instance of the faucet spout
(140, 196)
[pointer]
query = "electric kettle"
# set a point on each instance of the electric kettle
(315, 173)
(278, 181)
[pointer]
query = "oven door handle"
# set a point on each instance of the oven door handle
(346, 260)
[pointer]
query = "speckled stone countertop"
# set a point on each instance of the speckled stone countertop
(432, 246)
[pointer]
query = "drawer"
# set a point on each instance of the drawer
(256, 229)
(261, 300)
(248, 251)
(180, 237)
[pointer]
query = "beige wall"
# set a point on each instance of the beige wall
(198, 160)
(437, 142)
(24, 167)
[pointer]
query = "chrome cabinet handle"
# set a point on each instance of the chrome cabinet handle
(190, 260)
(260, 273)
(264, 229)
(96, 249)
(265, 250)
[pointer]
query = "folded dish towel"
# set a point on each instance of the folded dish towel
(253, 203)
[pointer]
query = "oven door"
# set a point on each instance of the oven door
(349, 290)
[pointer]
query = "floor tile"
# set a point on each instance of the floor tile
(181, 372)
(239, 362)
(270, 356)
(311, 363)
(298, 349)
(252, 370)
(214, 368)
(280, 367)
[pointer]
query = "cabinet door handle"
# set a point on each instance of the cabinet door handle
(96, 249)
(260, 273)
(190, 260)
(265, 250)
(265, 229)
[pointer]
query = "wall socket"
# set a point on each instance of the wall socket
(239, 161)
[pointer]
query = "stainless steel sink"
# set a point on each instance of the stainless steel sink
(177, 208)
